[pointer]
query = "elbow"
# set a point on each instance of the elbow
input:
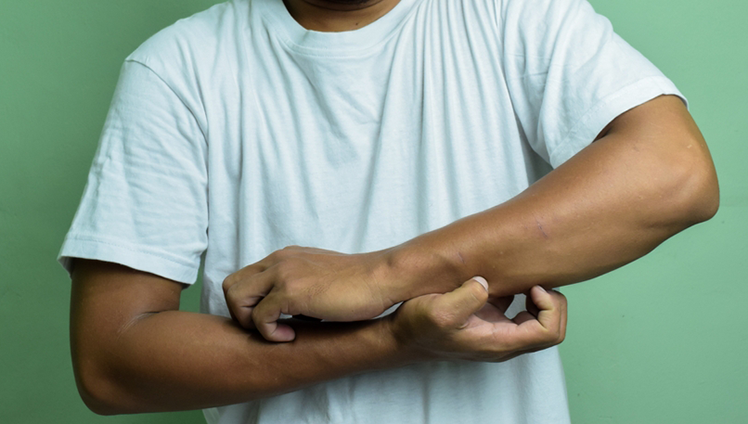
(96, 387)
(695, 190)
(706, 204)
(95, 393)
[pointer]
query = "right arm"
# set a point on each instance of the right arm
(134, 351)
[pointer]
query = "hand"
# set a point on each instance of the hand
(312, 282)
(466, 324)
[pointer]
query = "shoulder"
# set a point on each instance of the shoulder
(194, 41)
(540, 14)
(540, 27)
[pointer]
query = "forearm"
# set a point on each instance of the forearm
(607, 206)
(133, 351)
(649, 176)
(178, 360)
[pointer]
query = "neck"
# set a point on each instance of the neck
(337, 15)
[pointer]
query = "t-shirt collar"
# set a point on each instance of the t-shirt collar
(282, 24)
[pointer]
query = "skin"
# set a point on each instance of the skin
(338, 15)
(647, 177)
(134, 351)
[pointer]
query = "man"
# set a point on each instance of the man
(409, 135)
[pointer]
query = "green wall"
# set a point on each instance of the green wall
(662, 340)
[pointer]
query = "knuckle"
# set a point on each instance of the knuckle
(284, 274)
(231, 296)
(440, 318)
(554, 336)
(256, 313)
(283, 254)
(479, 293)
(286, 252)
(244, 318)
(228, 282)
(239, 314)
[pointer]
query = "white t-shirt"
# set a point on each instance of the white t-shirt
(237, 132)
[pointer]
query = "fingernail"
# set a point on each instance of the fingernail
(541, 288)
(482, 281)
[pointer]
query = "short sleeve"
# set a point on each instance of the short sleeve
(145, 201)
(569, 75)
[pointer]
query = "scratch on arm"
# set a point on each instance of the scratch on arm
(540, 227)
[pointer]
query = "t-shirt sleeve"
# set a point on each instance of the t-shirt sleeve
(145, 202)
(569, 75)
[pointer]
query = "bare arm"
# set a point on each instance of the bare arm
(649, 177)
(646, 178)
(134, 351)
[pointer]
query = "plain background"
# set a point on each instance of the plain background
(663, 340)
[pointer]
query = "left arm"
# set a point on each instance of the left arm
(647, 177)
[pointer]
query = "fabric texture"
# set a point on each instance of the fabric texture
(237, 132)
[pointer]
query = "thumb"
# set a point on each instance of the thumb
(465, 300)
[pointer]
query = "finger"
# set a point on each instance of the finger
(561, 299)
(265, 318)
(260, 266)
(535, 336)
(464, 301)
(243, 296)
(242, 275)
(523, 317)
(543, 330)
(551, 313)
(530, 305)
(257, 267)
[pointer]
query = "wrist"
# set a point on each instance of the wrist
(413, 269)
(402, 342)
